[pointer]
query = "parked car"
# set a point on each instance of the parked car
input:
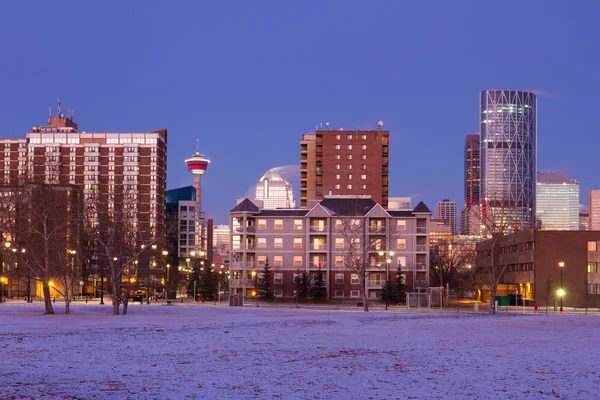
(138, 299)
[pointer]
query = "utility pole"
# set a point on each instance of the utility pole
(101, 280)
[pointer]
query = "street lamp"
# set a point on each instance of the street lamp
(72, 253)
(561, 291)
(3, 280)
(388, 260)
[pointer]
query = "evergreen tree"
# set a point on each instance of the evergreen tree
(399, 289)
(266, 290)
(195, 277)
(387, 294)
(319, 292)
(207, 284)
(302, 285)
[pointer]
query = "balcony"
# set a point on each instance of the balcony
(319, 228)
(243, 265)
(318, 247)
(421, 248)
(421, 266)
(377, 230)
(422, 230)
(239, 283)
(247, 229)
(376, 282)
(384, 173)
(317, 265)
(251, 247)
(319, 172)
(319, 162)
(421, 283)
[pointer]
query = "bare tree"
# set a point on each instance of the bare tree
(447, 258)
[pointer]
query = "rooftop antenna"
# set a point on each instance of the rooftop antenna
(197, 145)
(59, 107)
(50, 111)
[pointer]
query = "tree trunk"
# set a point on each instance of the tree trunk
(114, 296)
(47, 301)
(125, 298)
(363, 288)
(493, 300)
(67, 305)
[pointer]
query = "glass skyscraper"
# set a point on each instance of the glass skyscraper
(508, 157)
(557, 203)
(275, 191)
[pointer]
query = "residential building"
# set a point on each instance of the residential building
(446, 210)
(557, 202)
(311, 239)
(340, 162)
(508, 157)
(584, 220)
(439, 231)
(594, 210)
(399, 203)
(533, 268)
(275, 191)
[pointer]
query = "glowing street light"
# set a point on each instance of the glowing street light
(561, 291)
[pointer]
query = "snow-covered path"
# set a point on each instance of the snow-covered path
(239, 353)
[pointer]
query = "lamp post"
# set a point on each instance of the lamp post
(3, 280)
(148, 275)
(561, 292)
(388, 260)
(72, 253)
(101, 280)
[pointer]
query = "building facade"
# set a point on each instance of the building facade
(533, 268)
(275, 191)
(594, 210)
(472, 169)
(557, 203)
(470, 221)
(446, 211)
(439, 231)
(508, 156)
(584, 220)
(306, 240)
(343, 162)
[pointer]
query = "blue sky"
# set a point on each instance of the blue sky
(248, 78)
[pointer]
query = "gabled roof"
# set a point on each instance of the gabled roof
(348, 207)
(284, 212)
(245, 206)
(421, 208)
(400, 213)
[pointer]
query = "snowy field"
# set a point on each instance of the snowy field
(192, 352)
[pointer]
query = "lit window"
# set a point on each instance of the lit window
(262, 224)
(363, 166)
(363, 156)
(339, 261)
(349, 147)
(592, 267)
(261, 260)
(349, 156)
(401, 262)
(349, 166)
(297, 243)
(348, 186)
(337, 166)
(297, 224)
(364, 147)
(262, 243)
(278, 261)
(363, 177)
(339, 243)
(278, 243)
(349, 136)
(337, 146)
(337, 137)
(355, 242)
(337, 185)
(337, 156)
(337, 176)
(349, 176)
(592, 245)
(401, 244)
(278, 224)
(363, 186)
(363, 137)
(297, 261)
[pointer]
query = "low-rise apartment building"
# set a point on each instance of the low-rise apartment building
(306, 240)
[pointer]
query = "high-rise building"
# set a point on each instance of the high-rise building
(557, 202)
(221, 240)
(594, 210)
(446, 211)
(340, 162)
(584, 220)
(275, 191)
(470, 221)
(472, 169)
(508, 157)
(105, 165)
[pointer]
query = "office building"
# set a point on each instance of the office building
(311, 239)
(557, 202)
(340, 162)
(584, 220)
(594, 210)
(472, 170)
(446, 211)
(439, 231)
(399, 203)
(470, 221)
(508, 157)
(275, 191)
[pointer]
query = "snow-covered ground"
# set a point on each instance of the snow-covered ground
(239, 353)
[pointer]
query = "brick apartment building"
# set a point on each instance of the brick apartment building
(344, 162)
(533, 267)
(309, 239)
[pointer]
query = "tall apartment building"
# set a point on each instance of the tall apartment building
(343, 162)
(308, 239)
(101, 163)
(557, 202)
(472, 154)
(508, 157)
(446, 211)
(594, 210)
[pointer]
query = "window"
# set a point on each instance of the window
(337, 185)
(278, 224)
(339, 243)
(278, 278)
(297, 224)
(337, 137)
(356, 243)
(348, 186)
(363, 137)
(363, 186)
(592, 288)
(339, 261)
(363, 177)
(592, 267)
(349, 166)
(337, 147)
(363, 166)
(337, 176)
(354, 279)
(262, 243)
(401, 262)
(278, 243)
(364, 147)
(339, 224)
(262, 224)
(337, 156)
(337, 166)
(278, 293)
(349, 176)
(401, 224)
(339, 279)
(375, 279)
(592, 245)
(339, 293)
(349, 157)
(355, 293)
(363, 156)
(261, 260)
(297, 243)
(297, 261)
(401, 244)
(349, 147)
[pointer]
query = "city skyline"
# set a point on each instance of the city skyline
(292, 81)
